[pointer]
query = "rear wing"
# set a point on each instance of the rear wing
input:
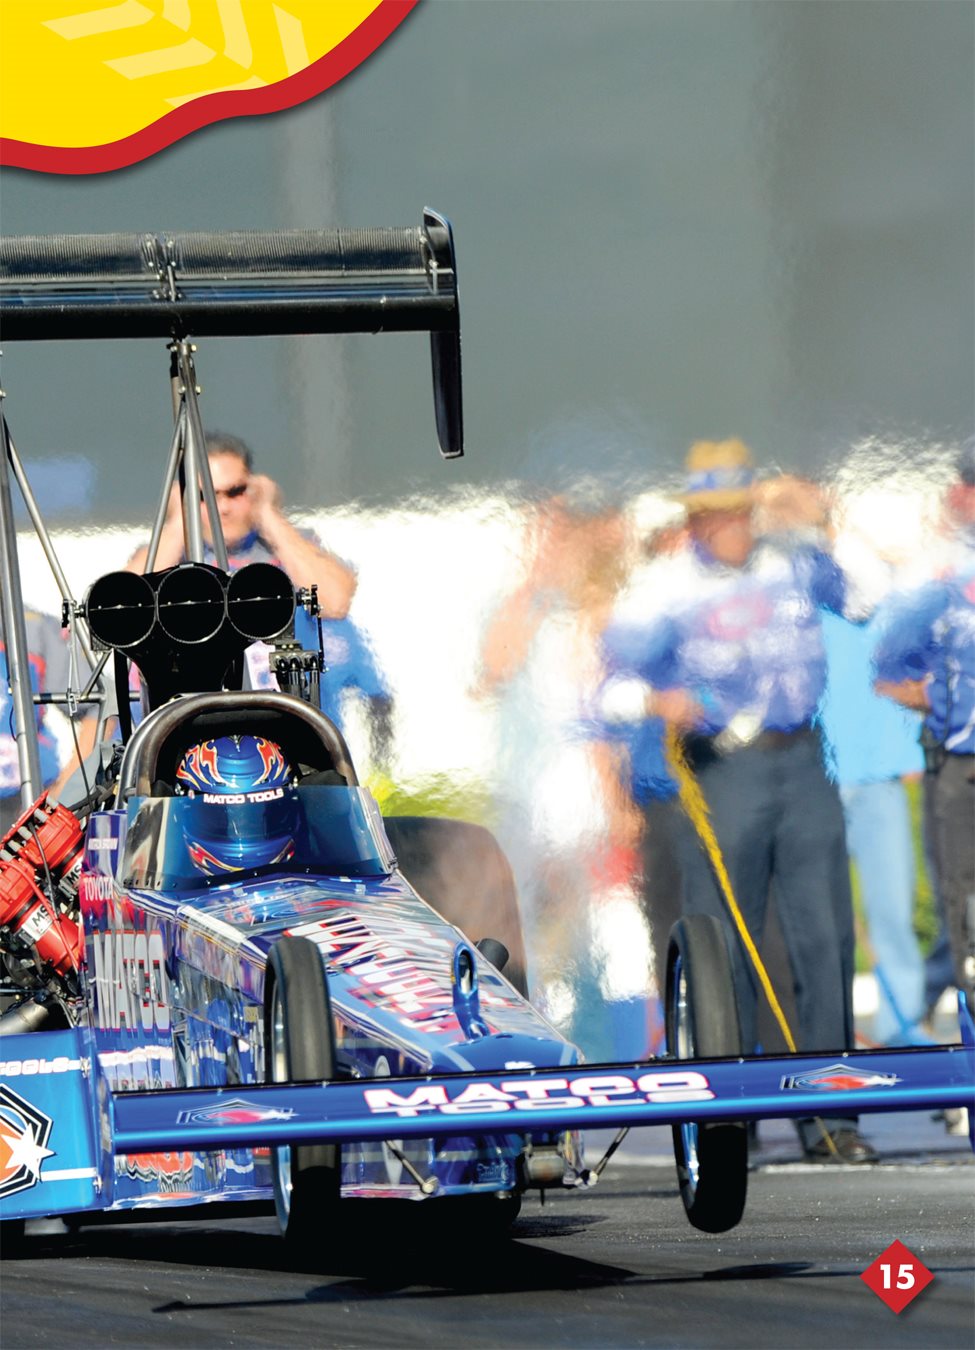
(243, 283)
(180, 286)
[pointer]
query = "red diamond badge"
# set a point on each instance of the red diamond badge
(897, 1276)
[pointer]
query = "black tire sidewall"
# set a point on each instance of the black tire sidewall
(717, 1201)
(700, 942)
(296, 976)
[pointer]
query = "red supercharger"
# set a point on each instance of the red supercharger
(46, 841)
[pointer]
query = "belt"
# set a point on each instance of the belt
(705, 749)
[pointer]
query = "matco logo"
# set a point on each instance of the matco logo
(24, 1132)
(131, 979)
(239, 798)
(838, 1078)
(237, 1112)
(545, 1094)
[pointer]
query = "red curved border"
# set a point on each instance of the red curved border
(173, 126)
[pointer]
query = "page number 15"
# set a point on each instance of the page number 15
(905, 1275)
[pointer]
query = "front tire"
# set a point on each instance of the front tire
(702, 1022)
(300, 1046)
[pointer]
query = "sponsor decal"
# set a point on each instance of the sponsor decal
(236, 1112)
(239, 798)
(838, 1078)
(169, 1173)
(11, 1068)
(95, 887)
(24, 1132)
(736, 618)
(526, 1095)
(496, 1173)
(103, 843)
(397, 964)
(130, 979)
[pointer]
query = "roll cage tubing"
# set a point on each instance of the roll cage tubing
(181, 286)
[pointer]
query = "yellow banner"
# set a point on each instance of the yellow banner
(87, 86)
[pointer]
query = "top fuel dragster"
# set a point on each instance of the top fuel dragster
(219, 983)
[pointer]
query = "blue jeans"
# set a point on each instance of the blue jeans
(878, 837)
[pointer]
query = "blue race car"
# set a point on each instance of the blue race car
(265, 1006)
(219, 983)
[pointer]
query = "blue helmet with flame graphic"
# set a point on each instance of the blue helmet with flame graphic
(247, 814)
(231, 764)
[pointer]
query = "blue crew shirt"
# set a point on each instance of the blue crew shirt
(872, 740)
(650, 777)
(643, 741)
(930, 635)
(349, 661)
(250, 549)
(742, 641)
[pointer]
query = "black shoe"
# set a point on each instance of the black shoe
(847, 1147)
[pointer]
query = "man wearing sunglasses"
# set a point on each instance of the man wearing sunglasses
(255, 529)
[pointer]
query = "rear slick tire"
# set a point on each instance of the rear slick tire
(702, 1023)
(300, 1047)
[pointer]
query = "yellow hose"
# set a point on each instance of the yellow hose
(693, 801)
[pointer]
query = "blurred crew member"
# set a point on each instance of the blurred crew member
(874, 747)
(255, 530)
(926, 660)
(352, 672)
(732, 657)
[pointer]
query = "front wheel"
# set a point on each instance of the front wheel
(702, 1023)
(300, 1047)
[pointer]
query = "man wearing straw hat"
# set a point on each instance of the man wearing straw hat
(732, 660)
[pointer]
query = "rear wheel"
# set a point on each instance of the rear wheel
(300, 1046)
(702, 1022)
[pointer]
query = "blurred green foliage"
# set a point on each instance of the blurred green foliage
(435, 795)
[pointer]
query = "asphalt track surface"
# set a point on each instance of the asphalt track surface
(614, 1266)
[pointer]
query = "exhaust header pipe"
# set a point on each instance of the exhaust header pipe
(186, 627)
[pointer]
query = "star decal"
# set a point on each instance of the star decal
(25, 1152)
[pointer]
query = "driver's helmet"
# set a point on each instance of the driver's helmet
(247, 815)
